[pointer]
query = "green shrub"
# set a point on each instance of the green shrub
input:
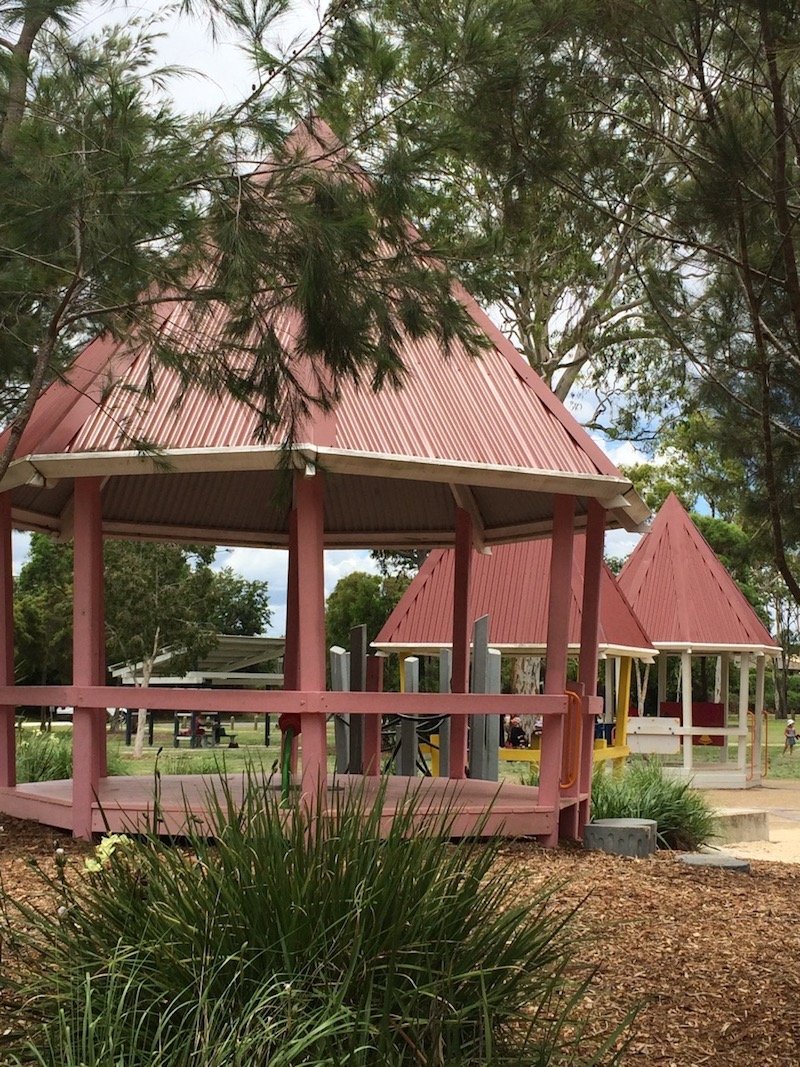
(294, 941)
(47, 757)
(684, 818)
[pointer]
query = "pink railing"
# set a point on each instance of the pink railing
(249, 701)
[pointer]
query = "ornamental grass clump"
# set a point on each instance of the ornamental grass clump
(294, 941)
(47, 756)
(684, 818)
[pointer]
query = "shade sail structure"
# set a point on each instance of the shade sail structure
(684, 596)
(484, 434)
(512, 587)
(230, 661)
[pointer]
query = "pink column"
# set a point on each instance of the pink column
(309, 499)
(290, 655)
(590, 635)
(461, 638)
(557, 648)
(88, 652)
(8, 756)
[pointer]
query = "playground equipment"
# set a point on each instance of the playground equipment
(511, 587)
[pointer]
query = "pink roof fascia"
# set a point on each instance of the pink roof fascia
(491, 411)
(512, 587)
(681, 591)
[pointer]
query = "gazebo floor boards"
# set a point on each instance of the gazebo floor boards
(126, 803)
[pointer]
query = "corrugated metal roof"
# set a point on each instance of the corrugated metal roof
(512, 587)
(493, 415)
(682, 593)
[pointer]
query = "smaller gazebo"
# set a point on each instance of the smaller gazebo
(512, 586)
(693, 609)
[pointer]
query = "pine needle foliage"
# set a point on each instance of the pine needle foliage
(643, 791)
(47, 757)
(292, 940)
(245, 259)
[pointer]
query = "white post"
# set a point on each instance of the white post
(744, 700)
(686, 704)
(758, 710)
(724, 663)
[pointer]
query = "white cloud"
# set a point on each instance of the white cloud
(218, 72)
(20, 544)
(272, 565)
(620, 543)
(621, 453)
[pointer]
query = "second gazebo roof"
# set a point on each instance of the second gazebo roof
(683, 594)
(512, 587)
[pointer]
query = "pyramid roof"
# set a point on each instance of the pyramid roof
(485, 434)
(683, 594)
(512, 587)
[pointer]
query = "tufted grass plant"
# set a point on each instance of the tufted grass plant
(47, 756)
(642, 791)
(297, 941)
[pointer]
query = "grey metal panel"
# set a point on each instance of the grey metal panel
(407, 756)
(477, 723)
(445, 677)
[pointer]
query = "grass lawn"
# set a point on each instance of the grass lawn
(250, 739)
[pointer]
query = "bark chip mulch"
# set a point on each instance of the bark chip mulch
(712, 957)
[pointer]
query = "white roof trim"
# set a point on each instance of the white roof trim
(611, 491)
(710, 648)
(646, 655)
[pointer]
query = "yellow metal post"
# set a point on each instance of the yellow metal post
(623, 703)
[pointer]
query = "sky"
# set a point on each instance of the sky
(218, 74)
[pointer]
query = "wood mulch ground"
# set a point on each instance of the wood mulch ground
(712, 957)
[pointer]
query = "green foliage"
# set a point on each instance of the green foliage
(643, 791)
(47, 756)
(361, 599)
(300, 941)
(494, 112)
(157, 594)
(110, 199)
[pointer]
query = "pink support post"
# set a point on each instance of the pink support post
(8, 755)
(290, 654)
(372, 723)
(590, 640)
(309, 498)
(461, 638)
(88, 652)
(553, 729)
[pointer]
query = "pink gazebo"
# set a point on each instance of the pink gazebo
(468, 453)
(512, 587)
(691, 607)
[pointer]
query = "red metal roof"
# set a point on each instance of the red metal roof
(489, 423)
(683, 594)
(512, 587)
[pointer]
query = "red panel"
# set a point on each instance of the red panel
(704, 713)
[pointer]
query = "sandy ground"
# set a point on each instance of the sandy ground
(781, 800)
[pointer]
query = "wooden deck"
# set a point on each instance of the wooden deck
(125, 804)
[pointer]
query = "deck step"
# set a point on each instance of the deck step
(740, 824)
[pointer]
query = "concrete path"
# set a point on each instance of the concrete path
(781, 799)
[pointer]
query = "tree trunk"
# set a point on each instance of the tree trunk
(141, 719)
